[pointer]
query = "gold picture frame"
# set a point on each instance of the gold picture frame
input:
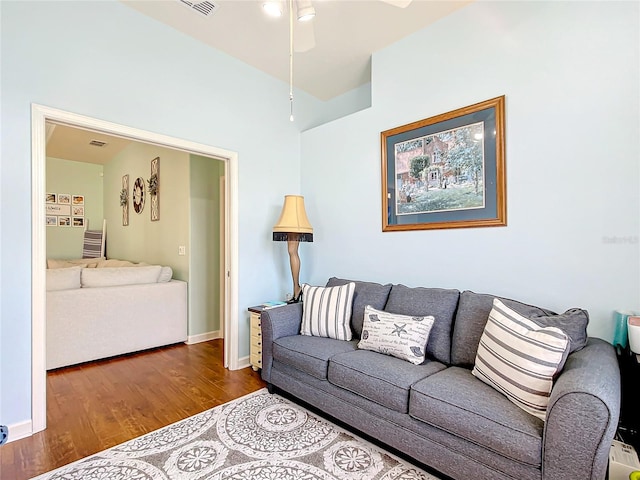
(446, 171)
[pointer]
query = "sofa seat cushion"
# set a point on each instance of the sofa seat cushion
(457, 402)
(377, 377)
(421, 302)
(310, 354)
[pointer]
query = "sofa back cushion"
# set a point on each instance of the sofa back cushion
(436, 302)
(473, 313)
(366, 293)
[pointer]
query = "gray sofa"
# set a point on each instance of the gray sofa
(437, 412)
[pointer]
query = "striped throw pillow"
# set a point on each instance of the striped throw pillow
(519, 358)
(326, 311)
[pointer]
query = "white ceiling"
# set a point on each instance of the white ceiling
(346, 33)
(73, 143)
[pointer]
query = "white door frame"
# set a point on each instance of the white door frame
(39, 115)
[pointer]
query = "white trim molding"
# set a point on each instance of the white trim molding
(41, 114)
(244, 362)
(203, 337)
(20, 430)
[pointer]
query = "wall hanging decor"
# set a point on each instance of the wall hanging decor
(138, 195)
(154, 189)
(124, 200)
(446, 171)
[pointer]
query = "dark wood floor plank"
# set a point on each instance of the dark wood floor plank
(97, 405)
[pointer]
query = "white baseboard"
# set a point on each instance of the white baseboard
(204, 337)
(20, 430)
(244, 362)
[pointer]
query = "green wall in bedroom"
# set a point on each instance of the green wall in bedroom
(143, 240)
(205, 266)
(74, 178)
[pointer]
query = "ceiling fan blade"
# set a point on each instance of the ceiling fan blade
(398, 3)
(304, 38)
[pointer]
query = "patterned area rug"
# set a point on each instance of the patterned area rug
(256, 437)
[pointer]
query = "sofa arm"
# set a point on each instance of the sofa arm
(582, 416)
(277, 323)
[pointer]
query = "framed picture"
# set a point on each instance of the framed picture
(57, 209)
(64, 198)
(78, 210)
(77, 199)
(52, 198)
(64, 221)
(446, 171)
(78, 221)
(52, 221)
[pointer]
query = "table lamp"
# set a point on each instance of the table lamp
(293, 227)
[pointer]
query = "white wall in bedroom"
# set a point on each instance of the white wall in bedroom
(570, 73)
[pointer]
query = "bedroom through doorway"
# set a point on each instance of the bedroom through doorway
(210, 176)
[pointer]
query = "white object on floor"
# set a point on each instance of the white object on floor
(623, 460)
(633, 326)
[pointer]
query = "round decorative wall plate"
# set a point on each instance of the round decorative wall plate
(138, 195)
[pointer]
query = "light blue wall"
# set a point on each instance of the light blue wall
(570, 73)
(104, 60)
(323, 112)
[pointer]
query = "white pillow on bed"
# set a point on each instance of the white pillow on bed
(114, 276)
(63, 278)
(166, 274)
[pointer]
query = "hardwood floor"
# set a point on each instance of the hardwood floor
(100, 404)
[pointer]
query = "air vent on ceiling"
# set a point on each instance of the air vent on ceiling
(205, 8)
(97, 143)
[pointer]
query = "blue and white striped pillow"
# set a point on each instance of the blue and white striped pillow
(326, 311)
(519, 358)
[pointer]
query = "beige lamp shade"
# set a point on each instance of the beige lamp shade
(293, 223)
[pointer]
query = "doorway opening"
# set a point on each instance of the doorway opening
(41, 116)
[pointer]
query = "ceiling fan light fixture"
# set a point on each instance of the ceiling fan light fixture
(273, 8)
(306, 11)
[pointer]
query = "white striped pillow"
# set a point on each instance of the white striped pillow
(326, 311)
(520, 359)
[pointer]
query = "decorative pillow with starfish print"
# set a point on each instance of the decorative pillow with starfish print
(401, 336)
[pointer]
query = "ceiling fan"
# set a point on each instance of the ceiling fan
(303, 29)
